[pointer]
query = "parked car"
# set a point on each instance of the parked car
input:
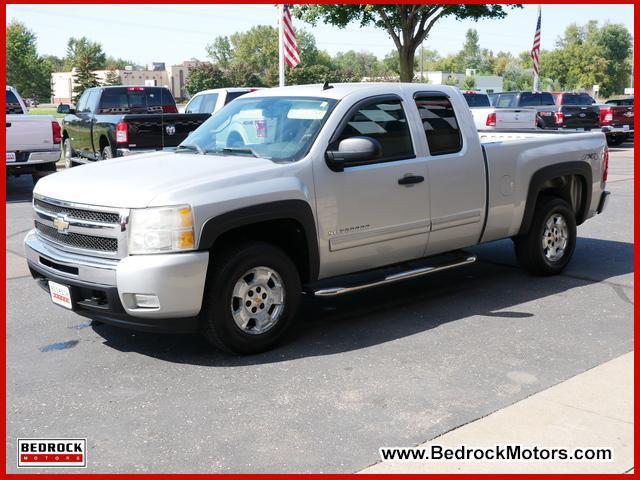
(120, 121)
(33, 141)
(577, 110)
(550, 115)
(210, 101)
(616, 120)
(620, 101)
(487, 117)
(355, 186)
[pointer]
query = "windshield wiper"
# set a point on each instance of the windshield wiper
(250, 151)
(192, 148)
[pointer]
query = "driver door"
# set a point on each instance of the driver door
(369, 215)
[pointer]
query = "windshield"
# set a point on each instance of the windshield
(281, 129)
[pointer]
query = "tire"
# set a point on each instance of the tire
(68, 153)
(106, 153)
(615, 141)
(35, 177)
(548, 246)
(233, 295)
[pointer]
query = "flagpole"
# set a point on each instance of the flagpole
(536, 75)
(281, 43)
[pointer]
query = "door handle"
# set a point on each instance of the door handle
(410, 179)
(8, 125)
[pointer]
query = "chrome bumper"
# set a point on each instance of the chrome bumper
(618, 130)
(177, 279)
(36, 158)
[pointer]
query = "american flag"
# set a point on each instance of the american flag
(535, 51)
(291, 53)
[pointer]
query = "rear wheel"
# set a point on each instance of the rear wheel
(106, 153)
(548, 246)
(68, 153)
(251, 296)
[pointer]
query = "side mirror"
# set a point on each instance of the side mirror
(66, 109)
(353, 151)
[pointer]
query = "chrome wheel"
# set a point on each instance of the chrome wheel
(257, 301)
(107, 153)
(68, 163)
(555, 237)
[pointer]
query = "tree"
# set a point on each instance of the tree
(469, 83)
(220, 51)
(408, 25)
(471, 55)
(112, 63)
(84, 51)
(29, 73)
(204, 76)
(112, 78)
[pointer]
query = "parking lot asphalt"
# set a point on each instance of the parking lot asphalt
(394, 366)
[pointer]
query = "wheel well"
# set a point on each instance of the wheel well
(104, 142)
(571, 188)
(286, 234)
(65, 135)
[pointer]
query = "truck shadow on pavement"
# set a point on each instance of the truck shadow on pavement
(19, 189)
(493, 287)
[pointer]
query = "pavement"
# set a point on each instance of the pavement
(397, 366)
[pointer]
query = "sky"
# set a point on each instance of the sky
(174, 33)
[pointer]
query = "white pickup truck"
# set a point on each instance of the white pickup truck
(353, 186)
(487, 117)
(33, 141)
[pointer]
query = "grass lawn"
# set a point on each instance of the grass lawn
(44, 111)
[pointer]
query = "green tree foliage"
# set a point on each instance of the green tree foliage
(29, 73)
(205, 76)
(407, 25)
(82, 51)
(471, 55)
(590, 55)
(112, 63)
(469, 83)
(112, 78)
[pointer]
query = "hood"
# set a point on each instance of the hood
(134, 181)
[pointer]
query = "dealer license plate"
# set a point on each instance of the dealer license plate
(60, 294)
(11, 157)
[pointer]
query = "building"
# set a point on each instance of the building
(484, 83)
(173, 77)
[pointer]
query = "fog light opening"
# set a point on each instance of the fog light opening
(144, 300)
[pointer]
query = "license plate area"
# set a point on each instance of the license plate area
(60, 295)
(11, 156)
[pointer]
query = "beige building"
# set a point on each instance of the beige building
(173, 77)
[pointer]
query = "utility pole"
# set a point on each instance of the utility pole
(422, 62)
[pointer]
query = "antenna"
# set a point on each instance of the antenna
(326, 85)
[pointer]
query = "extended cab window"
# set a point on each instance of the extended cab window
(440, 125)
(209, 101)
(13, 105)
(386, 122)
(532, 99)
(477, 100)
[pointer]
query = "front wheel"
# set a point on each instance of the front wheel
(68, 153)
(107, 153)
(252, 293)
(548, 246)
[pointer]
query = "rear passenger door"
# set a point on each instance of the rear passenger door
(457, 182)
(366, 216)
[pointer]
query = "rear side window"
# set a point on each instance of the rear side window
(531, 99)
(385, 121)
(477, 100)
(440, 125)
(13, 105)
(506, 100)
(233, 95)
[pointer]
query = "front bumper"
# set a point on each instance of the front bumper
(103, 289)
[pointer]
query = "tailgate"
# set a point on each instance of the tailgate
(515, 118)
(576, 116)
(160, 130)
(29, 133)
(622, 115)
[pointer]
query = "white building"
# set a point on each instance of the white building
(173, 77)
(484, 83)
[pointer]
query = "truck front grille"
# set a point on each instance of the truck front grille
(78, 240)
(84, 229)
(89, 215)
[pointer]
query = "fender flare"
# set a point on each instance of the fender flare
(298, 210)
(580, 169)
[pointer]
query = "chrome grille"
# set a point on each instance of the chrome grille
(88, 215)
(78, 240)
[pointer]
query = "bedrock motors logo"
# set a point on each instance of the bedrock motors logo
(52, 452)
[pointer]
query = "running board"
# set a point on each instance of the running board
(418, 272)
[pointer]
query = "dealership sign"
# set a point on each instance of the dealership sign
(52, 452)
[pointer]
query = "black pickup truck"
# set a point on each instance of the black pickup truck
(122, 120)
(553, 113)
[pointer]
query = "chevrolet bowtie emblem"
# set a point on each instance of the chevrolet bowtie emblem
(61, 224)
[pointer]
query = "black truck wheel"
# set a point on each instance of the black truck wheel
(68, 153)
(250, 299)
(548, 246)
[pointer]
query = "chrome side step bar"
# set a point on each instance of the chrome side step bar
(418, 272)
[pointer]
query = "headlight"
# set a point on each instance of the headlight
(162, 229)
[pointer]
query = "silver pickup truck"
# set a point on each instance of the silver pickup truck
(342, 188)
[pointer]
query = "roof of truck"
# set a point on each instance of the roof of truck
(341, 90)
